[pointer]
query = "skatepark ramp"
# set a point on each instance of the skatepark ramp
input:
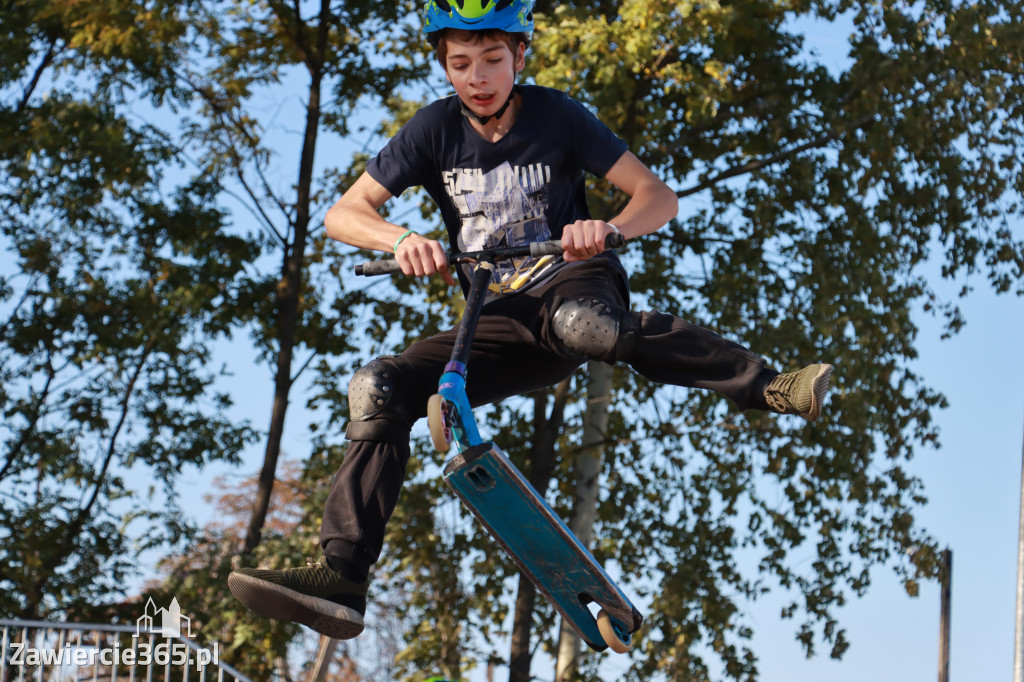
(61, 652)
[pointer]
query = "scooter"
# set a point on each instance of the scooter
(498, 494)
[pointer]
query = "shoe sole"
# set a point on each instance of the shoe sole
(284, 604)
(819, 387)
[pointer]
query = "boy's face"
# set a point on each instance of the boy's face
(482, 70)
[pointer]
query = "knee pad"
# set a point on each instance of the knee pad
(590, 328)
(374, 412)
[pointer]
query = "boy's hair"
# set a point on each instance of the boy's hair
(439, 40)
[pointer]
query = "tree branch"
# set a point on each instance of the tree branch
(30, 429)
(75, 526)
(43, 65)
(752, 166)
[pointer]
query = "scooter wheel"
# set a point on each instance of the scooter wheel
(617, 640)
(440, 433)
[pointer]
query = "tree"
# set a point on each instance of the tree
(255, 51)
(148, 283)
(825, 193)
(821, 195)
(113, 287)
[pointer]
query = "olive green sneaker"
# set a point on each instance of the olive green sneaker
(315, 596)
(799, 392)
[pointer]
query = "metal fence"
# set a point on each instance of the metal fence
(38, 651)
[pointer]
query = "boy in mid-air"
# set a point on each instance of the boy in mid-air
(505, 164)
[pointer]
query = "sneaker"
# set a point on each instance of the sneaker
(315, 596)
(799, 392)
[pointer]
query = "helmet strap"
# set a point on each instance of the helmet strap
(469, 113)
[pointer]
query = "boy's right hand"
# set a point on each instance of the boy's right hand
(420, 257)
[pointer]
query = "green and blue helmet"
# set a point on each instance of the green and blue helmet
(511, 16)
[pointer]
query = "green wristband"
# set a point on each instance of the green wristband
(407, 233)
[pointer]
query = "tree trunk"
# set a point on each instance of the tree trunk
(324, 656)
(522, 626)
(586, 473)
(289, 292)
(542, 461)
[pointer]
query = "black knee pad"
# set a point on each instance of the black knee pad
(590, 328)
(374, 411)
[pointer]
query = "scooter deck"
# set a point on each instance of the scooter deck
(538, 541)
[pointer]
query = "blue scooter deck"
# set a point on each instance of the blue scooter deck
(538, 541)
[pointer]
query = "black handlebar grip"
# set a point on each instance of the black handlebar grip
(385, 266)
(551, 248)
(554, 248)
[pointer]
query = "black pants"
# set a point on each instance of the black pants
(515, 351)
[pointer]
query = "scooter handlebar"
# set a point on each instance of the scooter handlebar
(554, 248)
(389, 266)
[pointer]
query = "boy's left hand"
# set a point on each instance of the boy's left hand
(584, 239)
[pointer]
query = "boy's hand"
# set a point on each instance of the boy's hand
(421, 257)
(584, 239)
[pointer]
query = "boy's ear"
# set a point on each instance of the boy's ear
(521, 57)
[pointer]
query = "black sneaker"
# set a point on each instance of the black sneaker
(315, 596)
(799, 392)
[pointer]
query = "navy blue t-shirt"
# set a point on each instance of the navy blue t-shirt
(523, 188)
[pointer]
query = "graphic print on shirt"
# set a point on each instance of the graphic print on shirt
(503, 207)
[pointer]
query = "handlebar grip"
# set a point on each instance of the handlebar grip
(554, 248)
(551, 248)
(385, 266)
(614, 241)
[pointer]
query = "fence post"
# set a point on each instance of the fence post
(1018, 640)
(945, 609)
